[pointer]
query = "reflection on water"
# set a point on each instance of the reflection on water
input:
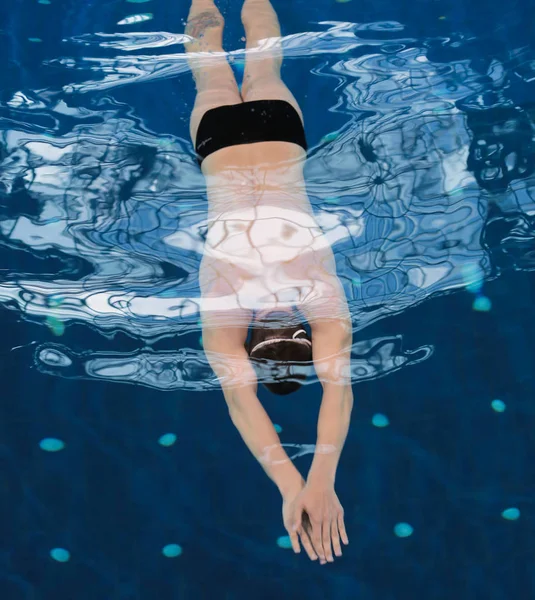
(428, 188)
(188, 370)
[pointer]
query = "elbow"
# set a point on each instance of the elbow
(238, 399)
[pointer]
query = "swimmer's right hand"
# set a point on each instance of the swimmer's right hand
(289, 508)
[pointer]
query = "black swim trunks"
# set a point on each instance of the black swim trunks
(247, 123)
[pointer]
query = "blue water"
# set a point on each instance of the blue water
(122, 476)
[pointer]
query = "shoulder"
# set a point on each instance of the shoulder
(225, 330)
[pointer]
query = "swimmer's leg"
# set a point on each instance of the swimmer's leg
(262, 76)
(216, 85)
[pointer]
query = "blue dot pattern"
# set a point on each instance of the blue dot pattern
(498, 406)
(380, 420)
(403, 530)
(284, 542)
(60, 555)
(51, 445)
(482, 304)
(511, 514)
(168, 439)
(122, 475)
(172, 550)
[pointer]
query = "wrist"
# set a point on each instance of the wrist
(323, 468)
(291, 485)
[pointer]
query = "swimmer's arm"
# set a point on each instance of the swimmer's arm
(331, 348)
(239, 384)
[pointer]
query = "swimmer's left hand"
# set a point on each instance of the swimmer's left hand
(318, 511)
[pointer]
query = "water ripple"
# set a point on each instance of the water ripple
(131, 41)
(189, 370)
(430, 177)
(340, 38)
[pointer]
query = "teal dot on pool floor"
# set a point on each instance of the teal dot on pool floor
(35, 40)
(498, 405)
(56, 326)
(379, 420)
(56, 300)
(482, 304)
(403, 530)
(284, 542)
(511, 514)
(172, 550)
(51, 445)
(278, 428)
(473, 277)
(168, 439)
(44, 2)
(330, 137)
(60, 554)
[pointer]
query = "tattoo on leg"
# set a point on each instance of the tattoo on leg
(201, 22)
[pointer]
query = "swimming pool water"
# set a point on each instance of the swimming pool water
(122, 474)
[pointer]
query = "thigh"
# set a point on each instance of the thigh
(212, 98)
(269, 87)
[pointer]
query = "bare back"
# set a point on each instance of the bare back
(264, 174)
(269, 173)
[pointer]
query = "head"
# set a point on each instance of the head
(281, 349)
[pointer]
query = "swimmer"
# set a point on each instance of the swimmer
(267, 265)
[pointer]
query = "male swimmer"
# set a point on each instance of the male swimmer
(265, 259)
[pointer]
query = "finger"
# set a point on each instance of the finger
(316, 538)
(298, 518)
(326, 539)
(307, 545)
(342, 529)
(335, 537)
(294, 538)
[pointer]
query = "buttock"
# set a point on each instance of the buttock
(249, 123)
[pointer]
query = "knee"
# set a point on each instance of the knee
(258, 16)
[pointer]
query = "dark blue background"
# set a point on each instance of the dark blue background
(447, 464)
